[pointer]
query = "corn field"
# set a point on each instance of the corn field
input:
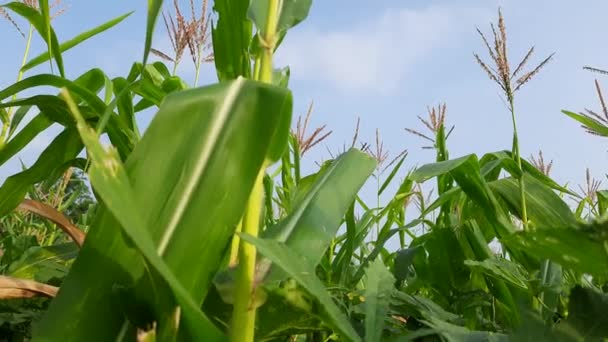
(204, 226)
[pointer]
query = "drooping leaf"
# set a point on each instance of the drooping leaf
(62, 149)
(24, 288)
(52, 107)
(51, 214)
(587, 121)
(24, 136)
(91, 80)
(543, 206)
(501, 269)
(298, 268)
(429, 171)
(78, 89)
(506, 161)
(319, 205)
(317, 214)
(466, 171)
(579, 247)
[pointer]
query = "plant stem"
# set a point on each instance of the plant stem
(174, 68)
(256, 68)
(234, 248)
(296, 162)
(243, 314)
(242, 328)
(269, 41)
(7, 123)
(198, 65)
(517, 156)
(378, 203)
(198, 68)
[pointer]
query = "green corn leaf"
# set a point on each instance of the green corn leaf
(420, 307)
(378, 291)
(84, 89)
(455, 333)
(65, 46)
(111, 181)
(89, 83)
(42, 23)
(466, 172)
(447, 197)
(44, 263)
(214, 135)
(280, 77)
(40, 123)
(55, 81)
(154, 7)
(602, 201)
(580, 247)
(355, 235)
(501, 269)
(17, 118)
(594, 125)
(543, 205)
(291, 13)
(379, 247)
(429, 171)
(52, 106)
(298, 268)
(45, 14)
(64, 148)
(231, 38)
(505, 160)
(125, 103)
(404, 260)
(587, 313)
(390, 177)
(317, 214)
(551, 279)
(280, 140)
(497, 287)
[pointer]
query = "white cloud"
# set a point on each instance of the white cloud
(377, 54)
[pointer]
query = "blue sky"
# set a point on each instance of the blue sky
(386, 61)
